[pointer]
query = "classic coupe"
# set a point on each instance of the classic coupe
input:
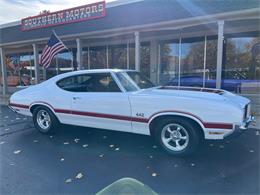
(179, 118)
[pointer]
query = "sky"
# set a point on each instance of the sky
(13, 10)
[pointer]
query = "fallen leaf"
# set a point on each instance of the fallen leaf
(85, 145)
(68, 180)
(117, 149)
(62, 159)
(79, 176)
(66, 143)
(154, 174)
(111, 146)
(17, 151)
(101, 155)
(76, 140)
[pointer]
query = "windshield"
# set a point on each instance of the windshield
(133, 81)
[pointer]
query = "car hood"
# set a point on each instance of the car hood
(197, 93)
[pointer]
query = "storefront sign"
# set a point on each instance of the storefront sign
(77, 14)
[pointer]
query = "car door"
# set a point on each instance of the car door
(99, 102)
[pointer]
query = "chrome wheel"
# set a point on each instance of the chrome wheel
(175, 137)
(43, 119)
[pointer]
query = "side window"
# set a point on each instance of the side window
(102, 82)
(95, 82)
(68, 83)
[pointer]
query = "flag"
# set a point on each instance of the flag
(54, 46)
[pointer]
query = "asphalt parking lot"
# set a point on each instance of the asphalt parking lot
(32, 163)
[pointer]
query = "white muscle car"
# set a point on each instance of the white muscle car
(179, 118)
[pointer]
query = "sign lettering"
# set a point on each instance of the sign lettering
(77, 14)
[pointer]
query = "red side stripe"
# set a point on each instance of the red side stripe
(100, 115)
(129, 118)
(205, 124)
(19, 105)
(218, 126)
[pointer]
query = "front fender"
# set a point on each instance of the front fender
(177, 113)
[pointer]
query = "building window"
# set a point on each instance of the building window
(144, 57)
(241, 67)
(169, 62)
(98, 57)
(117, 56)
(132, 56)
(192, 61)
(65, 62)
(1, 79)
(61, 63)
(20, 69)
(196, 69)
(211, 62)
(85, 58)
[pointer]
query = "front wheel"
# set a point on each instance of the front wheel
(44, 120)
(177, 136)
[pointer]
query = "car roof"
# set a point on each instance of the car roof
(60, 76)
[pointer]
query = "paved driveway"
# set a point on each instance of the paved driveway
(32, 163)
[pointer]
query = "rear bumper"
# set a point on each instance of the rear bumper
(239, 129)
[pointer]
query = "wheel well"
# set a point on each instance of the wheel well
(38, 105)
(34, 107)
(159, 118)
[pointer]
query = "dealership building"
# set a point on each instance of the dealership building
(206, 43)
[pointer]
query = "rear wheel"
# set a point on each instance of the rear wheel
(177, 136)
(44, 120)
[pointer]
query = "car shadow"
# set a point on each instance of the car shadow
(137, 144)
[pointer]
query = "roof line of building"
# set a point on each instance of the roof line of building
(181, 23)
(108, 5)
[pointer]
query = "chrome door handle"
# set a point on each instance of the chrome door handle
(76, 98)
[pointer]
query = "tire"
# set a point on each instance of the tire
(44, 120)
(177, 136)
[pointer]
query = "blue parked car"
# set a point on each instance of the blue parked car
(197, 81)
(234, 84)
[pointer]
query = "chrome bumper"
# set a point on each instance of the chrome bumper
(247, 122)
(239, 129)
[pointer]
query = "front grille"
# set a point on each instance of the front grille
(247, 111)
